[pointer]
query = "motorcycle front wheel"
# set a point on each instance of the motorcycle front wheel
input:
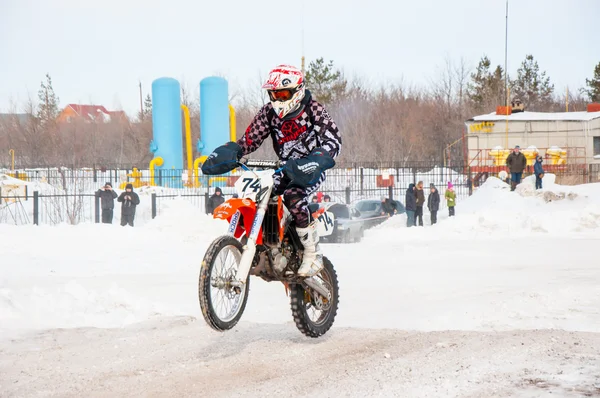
(222, 304)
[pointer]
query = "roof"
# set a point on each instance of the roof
(21, 117)
(92, 112)
(540, 116)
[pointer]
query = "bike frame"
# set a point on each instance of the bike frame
(249, 249)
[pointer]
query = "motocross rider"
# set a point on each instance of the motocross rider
(305, 138)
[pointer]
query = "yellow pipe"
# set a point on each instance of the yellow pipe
(12, 153)
(232, 132)
(157, 161)
(188, 137)
(196, 174)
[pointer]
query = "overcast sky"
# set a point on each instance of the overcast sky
(96, 51)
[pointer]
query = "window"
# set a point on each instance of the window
(367, 206)
(596, 146)
(340, 211)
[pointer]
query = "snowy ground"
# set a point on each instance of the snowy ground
(502, 300)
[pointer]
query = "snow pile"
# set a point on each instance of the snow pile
(493, 209)
(465, 273)
(178, 217)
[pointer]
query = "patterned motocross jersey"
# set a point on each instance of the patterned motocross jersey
(294, 138)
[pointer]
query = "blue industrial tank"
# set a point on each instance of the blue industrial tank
(214, 114)
(166, 123)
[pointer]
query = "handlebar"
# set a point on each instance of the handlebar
(265, 164)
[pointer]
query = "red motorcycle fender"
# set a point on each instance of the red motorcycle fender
(247, 209)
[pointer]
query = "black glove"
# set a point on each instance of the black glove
(307, 171)
(223, 159)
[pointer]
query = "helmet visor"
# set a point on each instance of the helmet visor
(285, 94)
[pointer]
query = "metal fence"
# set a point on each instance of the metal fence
(69, 195)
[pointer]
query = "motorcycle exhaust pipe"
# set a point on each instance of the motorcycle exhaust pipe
(318, 286)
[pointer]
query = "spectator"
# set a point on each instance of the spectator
(410, 205)
(107, 202)
(420, 195)
(387, 207)
(319, 197)
(516, 163)
(450, 199)
(433, 203)
(215, 200)
(129, 201)
(539, 172)
(326, 198)
(315, 200)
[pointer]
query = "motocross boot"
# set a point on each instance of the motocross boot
(312, 260)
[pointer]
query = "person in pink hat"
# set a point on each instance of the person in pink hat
(450, 198)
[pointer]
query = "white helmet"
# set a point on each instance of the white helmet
(285, 87)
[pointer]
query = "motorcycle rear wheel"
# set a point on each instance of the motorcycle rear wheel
(306, 303)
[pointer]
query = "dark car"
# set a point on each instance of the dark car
(339, 222)
(371, 211)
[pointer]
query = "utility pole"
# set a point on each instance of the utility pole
(302, 66)
(141, 103)
(506, 71)
(506, 55)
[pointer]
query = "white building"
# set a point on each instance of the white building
(573, 135)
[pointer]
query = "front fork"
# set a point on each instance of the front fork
(249, 248)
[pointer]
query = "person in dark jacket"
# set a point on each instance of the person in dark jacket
(516, 163)
(387, 207)
(129, 200)
(215, 200)
(433, 203)
(539, 172)
(410, 205)
(107, 202)
(420, 196)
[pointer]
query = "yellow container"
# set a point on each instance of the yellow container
(499, 154)
(531, 154)
(557, 156)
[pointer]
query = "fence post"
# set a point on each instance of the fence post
(97, 207)
(35, 208)
(95, 174)
(348, 195)
(362, 179)
(153, 205)
(469, 181)
(206, 202)
(160, 184)
(391, 192)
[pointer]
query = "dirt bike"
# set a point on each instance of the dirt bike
(261, 240)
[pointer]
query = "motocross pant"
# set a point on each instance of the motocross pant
(296, 198)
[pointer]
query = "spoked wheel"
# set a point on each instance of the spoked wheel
(222, 304)
(313, 313)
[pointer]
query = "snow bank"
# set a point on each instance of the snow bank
(469, 272)
(493, 210)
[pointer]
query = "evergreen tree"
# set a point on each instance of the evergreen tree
(486, 88)
(593, 85)
(532, 87)
(325, 82)
(147, 108)
(48, 108)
